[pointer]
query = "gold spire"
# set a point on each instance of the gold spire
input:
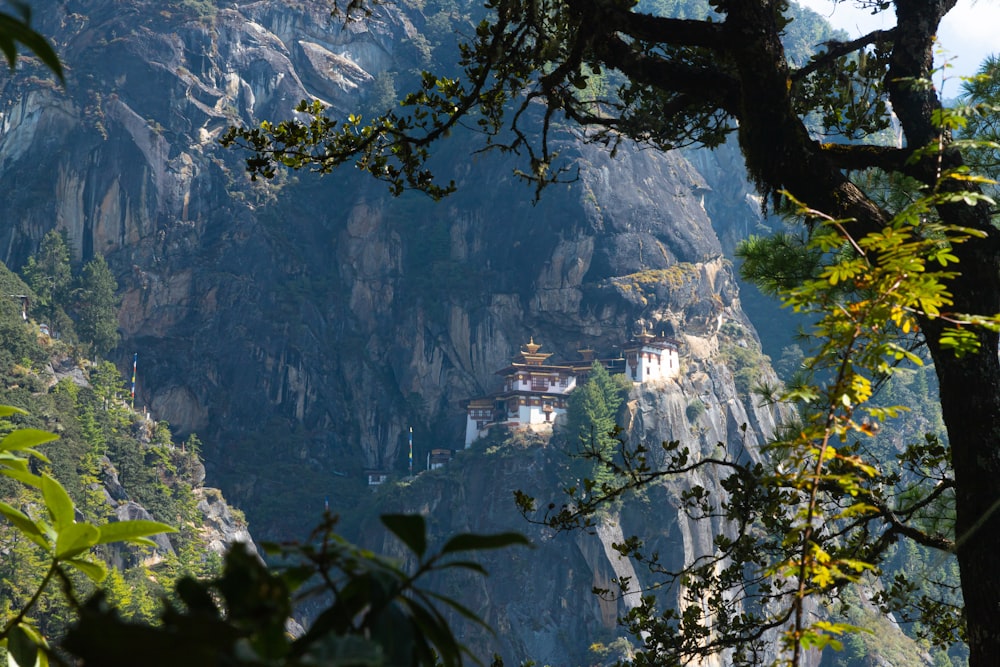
(532, 346)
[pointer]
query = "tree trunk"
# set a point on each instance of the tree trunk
(970, 403)
(780, 154)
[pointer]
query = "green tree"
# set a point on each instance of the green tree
(49, 274)
(95, 305)
(591, 418)
(375, 611)
(698, 81)
(982, 95)
(58, 544)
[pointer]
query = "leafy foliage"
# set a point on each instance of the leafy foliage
(981, 98)
(66, 542)
(376, 612)
(887, 269)
(591, 417)
(54, 293)
(56, 537)
(108, 461)
(823, 514)
(96, 305)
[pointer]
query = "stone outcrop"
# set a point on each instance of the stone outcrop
(540, 600)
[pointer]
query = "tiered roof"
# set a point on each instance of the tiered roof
(529, 359)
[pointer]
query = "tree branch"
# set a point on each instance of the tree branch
(835, 49)
(704, 83)
(853, 157)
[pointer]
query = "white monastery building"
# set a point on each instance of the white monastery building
(651, 358)
(535, 392)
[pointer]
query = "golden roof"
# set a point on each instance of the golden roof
(531, 347)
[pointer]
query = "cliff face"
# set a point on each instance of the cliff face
(302, 326)
(307, 323)
(540, 600)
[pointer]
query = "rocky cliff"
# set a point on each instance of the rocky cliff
(541, 601)
(310, 322)
(302, 326)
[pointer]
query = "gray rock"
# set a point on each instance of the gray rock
(133, 511)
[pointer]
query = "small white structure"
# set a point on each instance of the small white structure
(479, 414)
(376, 477)
(651, 358)
(438, 458)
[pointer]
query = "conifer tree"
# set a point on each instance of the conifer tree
(96, 306)
(591, 418)
(48, 273)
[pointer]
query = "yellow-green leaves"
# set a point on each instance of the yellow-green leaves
(75, 538)
(136, 532)
(24, 524)
(17, 446)
(58, 503)
(50, 522)
(868, 295)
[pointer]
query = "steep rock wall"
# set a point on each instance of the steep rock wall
(306, 324)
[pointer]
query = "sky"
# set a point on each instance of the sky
(968, 33)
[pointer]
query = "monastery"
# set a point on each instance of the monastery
(535, 392)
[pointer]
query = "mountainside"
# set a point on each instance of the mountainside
(541, 601)
(302, 326)
(116, 465)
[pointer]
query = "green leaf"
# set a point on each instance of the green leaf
(74, 539)
(12, 29)
(58, 502)
(24, 524)
(25, 438)
(294, 577)
(132, 531)
(22, 650)
(94, 570)
(473, 542)
(35, 453)
(33, 634)
(410, 529)
(22, 476)
(8, 410)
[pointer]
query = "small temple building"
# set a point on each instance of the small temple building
(535, 392)
(651, 358)
(438, 458)
(533, 395)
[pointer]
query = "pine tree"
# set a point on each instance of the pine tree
(591, 423)
(96, 306)
(48, 273)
